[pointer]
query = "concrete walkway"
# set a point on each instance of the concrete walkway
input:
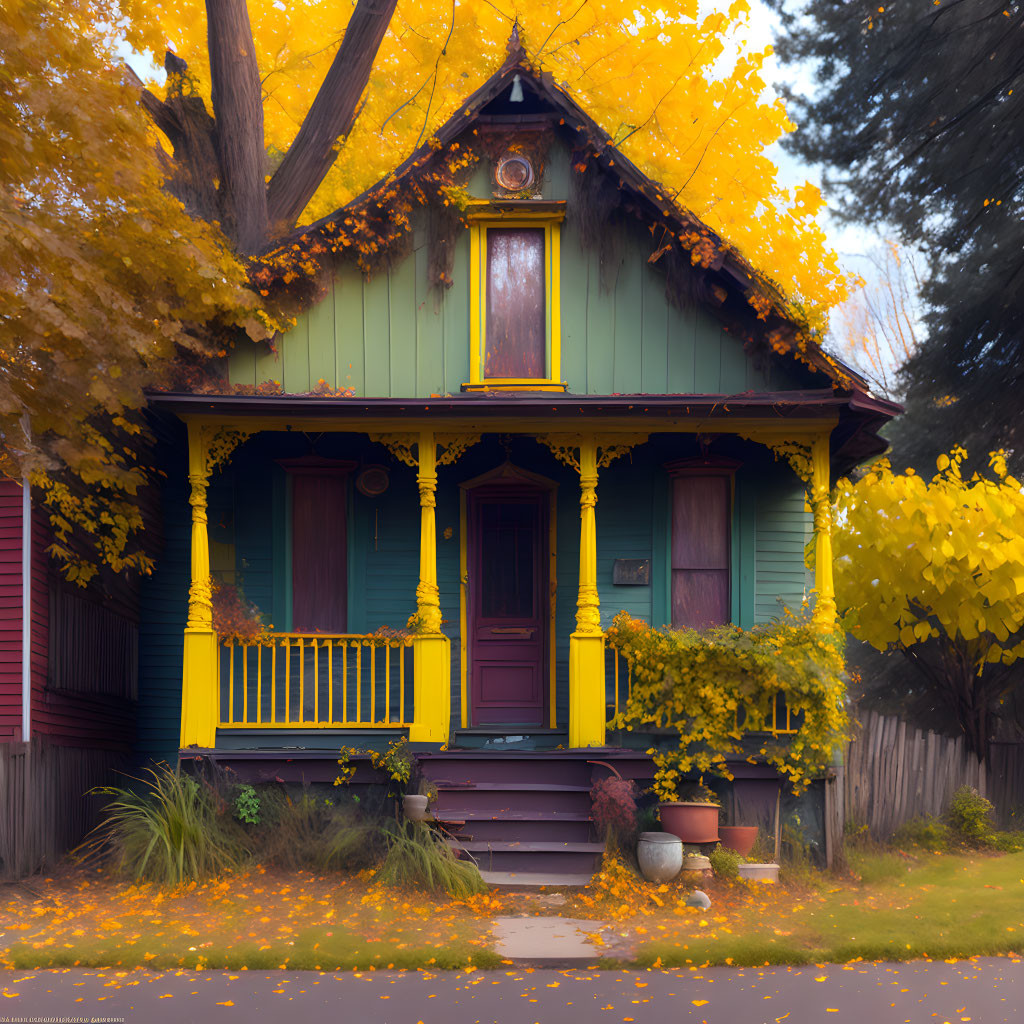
(983, 991)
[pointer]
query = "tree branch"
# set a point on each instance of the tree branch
(331, 115)
(238, 113)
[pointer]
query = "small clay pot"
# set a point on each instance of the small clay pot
(660, 856)
(414, 806)
(693, 823)
(740, 838)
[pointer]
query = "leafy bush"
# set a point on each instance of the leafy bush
(176, 830)
(926, 832)
(970, 817)
(417, 855)
(763, 850)
(1006, 842)
(725, 863)
(702, 685)
(247, 805)
(616, 816)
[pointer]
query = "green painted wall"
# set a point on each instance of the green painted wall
(394, 336)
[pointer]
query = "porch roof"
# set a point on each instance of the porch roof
(855, 438)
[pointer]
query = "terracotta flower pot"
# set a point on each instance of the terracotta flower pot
(693, 823)
(740, 838)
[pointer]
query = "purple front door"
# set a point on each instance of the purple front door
(507, 608)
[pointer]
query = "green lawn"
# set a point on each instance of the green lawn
(939, 907)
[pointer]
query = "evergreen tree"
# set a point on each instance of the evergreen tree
(917, 114)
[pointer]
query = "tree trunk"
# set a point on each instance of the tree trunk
(238, 114)
(331, 115)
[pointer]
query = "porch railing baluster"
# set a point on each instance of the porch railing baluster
(370, 712)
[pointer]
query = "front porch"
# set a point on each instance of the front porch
(485, 659)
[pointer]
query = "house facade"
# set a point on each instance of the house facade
(438, 496)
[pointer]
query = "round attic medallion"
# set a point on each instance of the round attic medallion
(514, 172)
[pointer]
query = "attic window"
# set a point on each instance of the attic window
(514, 295)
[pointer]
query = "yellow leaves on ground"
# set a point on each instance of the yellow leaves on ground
(917, 559)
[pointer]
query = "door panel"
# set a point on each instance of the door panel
(508, 584)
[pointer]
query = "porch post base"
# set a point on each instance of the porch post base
(199, 689)
(432, 669)
(586, 690)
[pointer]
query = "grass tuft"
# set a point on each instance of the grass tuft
(418, 856)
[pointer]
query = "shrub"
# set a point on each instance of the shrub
(417, 855)
(176, 830)
(616, 817)
(725, 863)
(763, 850)
(708, 687)
(970, 817)
(313, 832)
(1007, 842)
(926, 832)
(247, 805)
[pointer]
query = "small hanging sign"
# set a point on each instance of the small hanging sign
(631, 572)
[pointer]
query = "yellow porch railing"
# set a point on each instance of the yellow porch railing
(317, 681)
(618, 682)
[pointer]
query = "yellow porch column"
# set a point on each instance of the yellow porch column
(586, 645)
(821, 507)
(431, 648)
(199, 683)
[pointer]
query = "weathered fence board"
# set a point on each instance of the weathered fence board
(894, 772)
(43, 807)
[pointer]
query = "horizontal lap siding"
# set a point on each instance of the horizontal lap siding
(783, 529)
(10, 609)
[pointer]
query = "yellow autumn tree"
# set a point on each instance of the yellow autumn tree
(130, 214)
(934, 570)
(681, 94)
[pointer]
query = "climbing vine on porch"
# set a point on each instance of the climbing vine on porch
(716, 689)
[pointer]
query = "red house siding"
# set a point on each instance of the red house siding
(10, 610)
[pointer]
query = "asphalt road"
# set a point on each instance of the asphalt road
(983, 991)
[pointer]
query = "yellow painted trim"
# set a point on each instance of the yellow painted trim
(463, 613)
(821, 508)
(296, 725)
(514, 218)
(516, 384)
(554, 251)
(476, 275)
(478, 226)
(553, 599)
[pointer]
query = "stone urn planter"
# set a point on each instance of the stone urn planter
(759, 872)
(660, 856)
(414, 806)
(740, 838)
(691, 822)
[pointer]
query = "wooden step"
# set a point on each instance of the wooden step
(499, 814)
(540, 787)
(525, 846)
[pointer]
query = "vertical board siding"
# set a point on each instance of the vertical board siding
(393, 335)
(10, 609)
(44, 809)
(782, 531)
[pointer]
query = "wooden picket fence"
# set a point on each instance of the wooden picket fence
(894, 772)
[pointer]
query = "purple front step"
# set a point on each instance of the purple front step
(567, 831)
(511, 800)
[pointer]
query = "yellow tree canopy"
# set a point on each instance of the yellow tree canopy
(681, 95)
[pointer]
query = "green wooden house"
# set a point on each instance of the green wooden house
(438, 487)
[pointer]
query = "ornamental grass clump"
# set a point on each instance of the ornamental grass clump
(713, 687)
(176, 829)
(419, 856)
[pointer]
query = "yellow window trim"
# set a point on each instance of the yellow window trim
(551, 222)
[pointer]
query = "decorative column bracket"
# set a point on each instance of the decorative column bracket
(402, 446)
(809, 459)
(566, 447)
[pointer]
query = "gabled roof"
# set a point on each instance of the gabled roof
(729, 278)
